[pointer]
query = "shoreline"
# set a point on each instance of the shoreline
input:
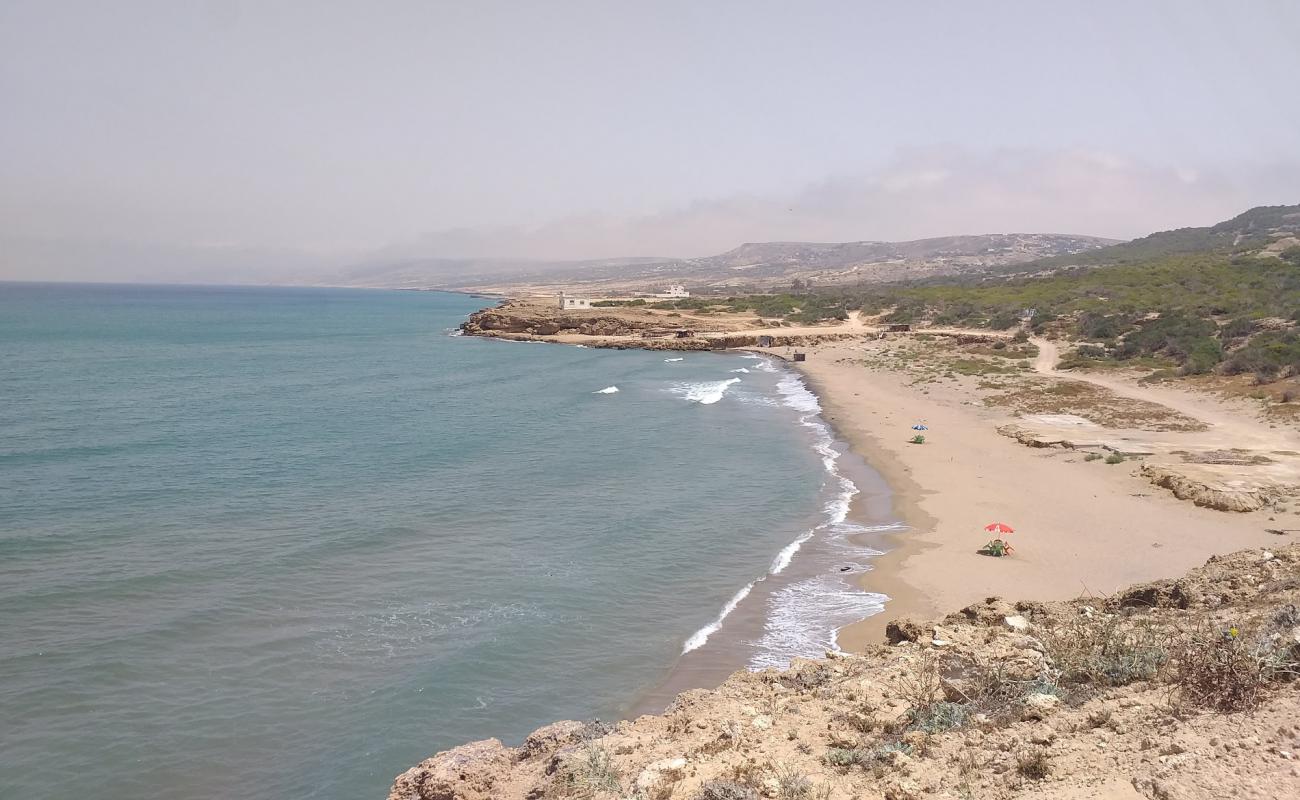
(1082, 529)
(905, 496)
(814, 555)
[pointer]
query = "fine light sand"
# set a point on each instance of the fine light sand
(1082, 528)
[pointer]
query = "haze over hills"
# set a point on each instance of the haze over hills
(754, 265)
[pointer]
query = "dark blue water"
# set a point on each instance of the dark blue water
(284, 543)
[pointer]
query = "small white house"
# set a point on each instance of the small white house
(676, 291)
(573, 302)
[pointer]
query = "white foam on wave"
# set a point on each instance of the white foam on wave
(671, 360)
(706, 393)
(804, 619)
(606, 390)
(742, 369)
(701, 636)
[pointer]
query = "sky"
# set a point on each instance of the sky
(223, 137)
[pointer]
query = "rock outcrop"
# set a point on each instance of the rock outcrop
(1131, 696)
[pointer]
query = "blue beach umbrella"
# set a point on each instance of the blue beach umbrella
(919, 427)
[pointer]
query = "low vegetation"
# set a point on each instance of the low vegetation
(801, 308)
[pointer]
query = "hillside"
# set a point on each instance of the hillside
(1221, 299)
(1173, 689)
(1264, 228)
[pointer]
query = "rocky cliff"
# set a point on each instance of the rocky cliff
(1172, 690)
(528, 318)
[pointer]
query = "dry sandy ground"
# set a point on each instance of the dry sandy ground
(1082, 528)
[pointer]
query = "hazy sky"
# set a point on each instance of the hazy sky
(583, 129)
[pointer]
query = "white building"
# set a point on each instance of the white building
(676, 291)
(573, 302)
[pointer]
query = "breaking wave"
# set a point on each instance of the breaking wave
(804, 617)
(706, 393)
(606, 390)
(701, 636)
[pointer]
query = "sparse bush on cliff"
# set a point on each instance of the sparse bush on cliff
(1107, 650)
(845, 757)
(1034, 765)
(725, 790)
(589, 771)
(1115, 458)
(921, 687)
(1230, 669)
(938, 717)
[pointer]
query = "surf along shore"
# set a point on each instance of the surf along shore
(1085, 525)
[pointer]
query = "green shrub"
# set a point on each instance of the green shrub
(1115, 458)
(725, 790)
(1002, 320)
(1267, 355)
(1237, 328)
(1101, 326)
(845, 757)
(938, 717)
(1107, 650)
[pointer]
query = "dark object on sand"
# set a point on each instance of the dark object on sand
(997, 548)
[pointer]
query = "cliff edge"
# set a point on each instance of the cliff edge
(1174, 690)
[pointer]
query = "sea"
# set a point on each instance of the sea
(288, 542)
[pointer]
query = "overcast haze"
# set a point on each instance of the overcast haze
(250, 140)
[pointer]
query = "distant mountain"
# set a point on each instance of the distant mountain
(874, 261)
(755, 265)
(459, 273)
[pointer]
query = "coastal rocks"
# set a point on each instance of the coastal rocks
(505, 320)
(1016, 623)
(992, 611)
(1032, 438)
(903, 630)
(1157, 594)
(546, 740)
(1219, 486)
(468, 772)
(1040, 706)
(656, 772)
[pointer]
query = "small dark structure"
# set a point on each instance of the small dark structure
(800, 356)
(765, 341)
(683, 333)
(901, 327)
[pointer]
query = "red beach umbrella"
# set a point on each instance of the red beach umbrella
(999, 527)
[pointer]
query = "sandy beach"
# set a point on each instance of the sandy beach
(1082, 527)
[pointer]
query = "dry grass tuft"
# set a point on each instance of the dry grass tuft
(1229, 669)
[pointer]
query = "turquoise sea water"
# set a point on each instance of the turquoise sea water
(285, 543)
